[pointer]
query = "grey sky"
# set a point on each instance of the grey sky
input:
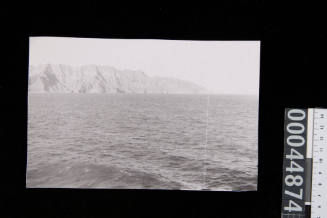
(230, 67)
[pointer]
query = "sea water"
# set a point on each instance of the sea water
(142, 141)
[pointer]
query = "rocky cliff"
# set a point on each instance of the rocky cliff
(52, 78)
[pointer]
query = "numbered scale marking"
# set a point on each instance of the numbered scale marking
(305, 163)
(319, 164)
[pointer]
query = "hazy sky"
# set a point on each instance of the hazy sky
(230, 67)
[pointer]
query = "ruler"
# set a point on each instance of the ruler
(319, 163)
(305, 163)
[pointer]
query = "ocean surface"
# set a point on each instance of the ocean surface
(142, 141)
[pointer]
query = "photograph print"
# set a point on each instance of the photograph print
(142, 114)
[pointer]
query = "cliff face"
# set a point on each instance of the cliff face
(102, 79)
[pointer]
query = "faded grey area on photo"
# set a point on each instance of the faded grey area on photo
(143, 114)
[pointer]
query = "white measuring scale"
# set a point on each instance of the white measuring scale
(319, 162)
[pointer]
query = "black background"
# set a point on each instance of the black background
(293, 45)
